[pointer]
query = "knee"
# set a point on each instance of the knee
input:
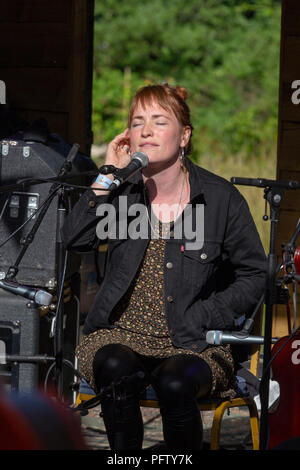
(111, 362)
(172, 389)
(182, 379)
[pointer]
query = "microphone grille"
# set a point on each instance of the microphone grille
(210, 337)
(43, 298)
(142, 157)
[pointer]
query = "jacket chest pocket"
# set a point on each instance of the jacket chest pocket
(199, 265)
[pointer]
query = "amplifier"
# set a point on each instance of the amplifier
(19, 335)
(28, 336)
(21, 159)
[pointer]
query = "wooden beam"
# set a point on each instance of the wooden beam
(80, 69)
(46, 63)
(288, 151)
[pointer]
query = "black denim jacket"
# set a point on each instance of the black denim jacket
(205, 289)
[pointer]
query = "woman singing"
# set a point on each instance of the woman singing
(162, 293)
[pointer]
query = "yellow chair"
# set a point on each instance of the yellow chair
(217, 405)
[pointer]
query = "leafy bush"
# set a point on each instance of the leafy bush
(226, 53)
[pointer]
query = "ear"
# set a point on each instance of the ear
(186, 135)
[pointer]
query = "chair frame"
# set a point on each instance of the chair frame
(220, 406)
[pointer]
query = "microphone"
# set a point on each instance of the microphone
(40, 297)
(263, 183)
(222, 337)
(67, 166)
(139, 160)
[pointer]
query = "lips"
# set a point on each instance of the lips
(148, 144)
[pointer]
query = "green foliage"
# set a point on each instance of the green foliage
(225, 52)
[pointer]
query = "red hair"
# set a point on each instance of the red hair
(169, 98)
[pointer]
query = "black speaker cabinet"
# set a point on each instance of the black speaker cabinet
(24, 330)
(24, 333)
(19, 335)
(21, 159)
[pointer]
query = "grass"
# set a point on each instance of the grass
(241, 166)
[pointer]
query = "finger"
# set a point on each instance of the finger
(123, 135)
(120, 140)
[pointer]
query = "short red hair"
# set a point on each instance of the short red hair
(169, 98)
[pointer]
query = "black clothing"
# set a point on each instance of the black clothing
(177, 381)
(207, 288)
(140, 323)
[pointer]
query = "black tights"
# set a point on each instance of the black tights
(177, 381)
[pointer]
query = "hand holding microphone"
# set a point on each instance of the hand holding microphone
(139, 160)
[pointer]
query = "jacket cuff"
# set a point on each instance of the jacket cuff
(92, 200)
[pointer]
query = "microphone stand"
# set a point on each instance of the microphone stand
(273, 194)
(61, 263)
(117, 392)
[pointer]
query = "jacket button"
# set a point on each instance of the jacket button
(170, 298)
(203, 256)
(92, 203)
(169, 265)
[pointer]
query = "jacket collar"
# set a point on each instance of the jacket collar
(196, 182)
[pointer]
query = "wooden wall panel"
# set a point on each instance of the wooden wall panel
(46, 63)
(35, 11)
(81, 71)
(291, 199)
(289, 111)
(289, 146)
(288, 156)
(37, 88)
(44, 45)
(290, 64)
(291, 17)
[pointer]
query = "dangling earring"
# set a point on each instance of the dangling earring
(182, 157)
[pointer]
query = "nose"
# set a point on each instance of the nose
(147, 129)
